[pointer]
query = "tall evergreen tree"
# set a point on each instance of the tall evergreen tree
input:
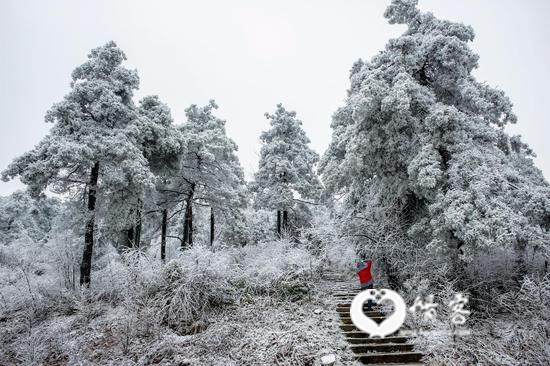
(286, 169)
(161, 143)
(426, 135)
(209, 170)
(92, 145)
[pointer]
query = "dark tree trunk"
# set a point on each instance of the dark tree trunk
(137, 238)
(86, 265)
(279, 223)
(133, 234)
(190, 223)
(130, 237)
(212, 226)
(285, 221)
(457, 264)
(188, 220)
(163, 235)
(185, 226)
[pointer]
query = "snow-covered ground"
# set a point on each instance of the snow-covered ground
(250, 306)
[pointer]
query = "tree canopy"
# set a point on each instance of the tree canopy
(418, 129)
(286, 169)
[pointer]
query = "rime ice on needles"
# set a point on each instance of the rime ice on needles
(420, 130)
(92, 147)
(287, 164)
(209, 171)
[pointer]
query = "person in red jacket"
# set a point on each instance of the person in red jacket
(365, 277)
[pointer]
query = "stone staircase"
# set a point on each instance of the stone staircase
(392, 350)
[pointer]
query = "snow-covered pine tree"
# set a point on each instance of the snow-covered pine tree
(420, 130)
(91, 150)
(161, 144)
(286, 170)
(209, 171)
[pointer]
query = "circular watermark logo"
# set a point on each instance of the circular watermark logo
(389, 325)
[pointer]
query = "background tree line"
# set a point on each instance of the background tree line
(125, 165)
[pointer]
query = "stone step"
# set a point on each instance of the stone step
(392, 350)
(346, 303)
(347, 306)
(385, 358)
(382, 347)
(374, 309)
(351, 330)
(344, 313)
(363, 338)
(377, 319)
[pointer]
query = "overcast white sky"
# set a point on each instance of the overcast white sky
(249, 56)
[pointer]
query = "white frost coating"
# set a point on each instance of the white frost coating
(287, 163)
(422, 133)
(328, 359)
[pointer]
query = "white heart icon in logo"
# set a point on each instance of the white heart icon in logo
(366, 324)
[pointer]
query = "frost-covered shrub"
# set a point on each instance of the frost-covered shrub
(200, 279)
(279, 268)
(132, 282)
(194, 283)
(31, 295)
(66, 255)
(525, 331)
(28, 279)
(325, 241)
(513, 331)
(183, 292)
(135, 299)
